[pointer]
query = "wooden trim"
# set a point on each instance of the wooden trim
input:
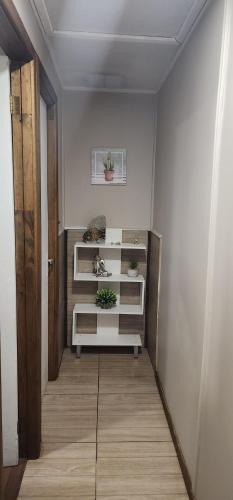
(53, 243)
(183, 466)
(20, 262)
(14, 39)
(152, 295)
(48, 94)
(12, 478)
(26, 161)
(17, 45)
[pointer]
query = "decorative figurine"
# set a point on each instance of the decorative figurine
(99, 268)
(96, 229)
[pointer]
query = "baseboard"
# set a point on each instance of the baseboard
(183, 466)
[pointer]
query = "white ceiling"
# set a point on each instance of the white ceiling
(120, 45)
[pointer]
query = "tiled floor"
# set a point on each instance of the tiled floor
(105, 436)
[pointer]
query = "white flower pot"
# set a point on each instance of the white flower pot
(132, 273)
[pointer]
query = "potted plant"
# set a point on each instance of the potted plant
(133, 269)
(106, 298)
(108, 168)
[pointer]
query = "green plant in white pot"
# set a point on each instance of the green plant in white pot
(106, 298)
(133, 269)
(108, 168)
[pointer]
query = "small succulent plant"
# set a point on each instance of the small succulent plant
(133, 264)
(109, 163)
(106, 298)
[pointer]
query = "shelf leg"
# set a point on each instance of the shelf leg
(135, 351)
(78, 351)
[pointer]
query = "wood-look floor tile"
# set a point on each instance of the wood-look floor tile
(70, 369)
(121, 359)
(63, 486)
(115, 434)
(73, 385)
(135, 452)
(68, 450)
(68, 435)
(108, 400)
(138, 450)
(60, 467)
(69, 412)
(127, 371)
(69, 356)
(143, 497)
(73, 419)
(110, 357)
(67, 389)
(76, 379)
(88, 375)
(60, 402)
(137, 466)
(59, 498)
(137, 485)
(119, 420)
(134, 409)
(119, 385)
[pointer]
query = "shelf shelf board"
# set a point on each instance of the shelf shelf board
(118, 278)
(122, 246)
(119, 309)
(106, 340)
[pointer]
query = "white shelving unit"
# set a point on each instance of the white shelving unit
(107, 332)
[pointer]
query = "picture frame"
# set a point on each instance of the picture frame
(108, 166)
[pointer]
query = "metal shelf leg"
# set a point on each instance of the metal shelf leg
(78, 351)
(135, 351)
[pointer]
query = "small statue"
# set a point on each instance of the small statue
(99, 267)
(95, 230)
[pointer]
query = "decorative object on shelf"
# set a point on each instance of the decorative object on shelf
(133, 269)
(106, 298)
(108, 166)
(99, 268)
(96, 229)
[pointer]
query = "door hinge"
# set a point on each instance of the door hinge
(15, 105)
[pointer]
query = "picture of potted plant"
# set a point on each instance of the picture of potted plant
(108, 168)
(133, 269)
(106, 298)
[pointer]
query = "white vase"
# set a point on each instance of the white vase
(132, 273)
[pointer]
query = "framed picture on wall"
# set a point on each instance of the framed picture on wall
(108, 166)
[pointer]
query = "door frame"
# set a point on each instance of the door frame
(17, 45)
(48, 94)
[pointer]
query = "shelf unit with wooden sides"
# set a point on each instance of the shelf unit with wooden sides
(123, 325)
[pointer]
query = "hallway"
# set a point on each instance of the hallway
(105, 435)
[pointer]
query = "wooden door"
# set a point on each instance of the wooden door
(25, 132)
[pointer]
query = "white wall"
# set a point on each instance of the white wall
(184, 164)
(30, 22)
(7, 277)
(215, 471)
(108, 120)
